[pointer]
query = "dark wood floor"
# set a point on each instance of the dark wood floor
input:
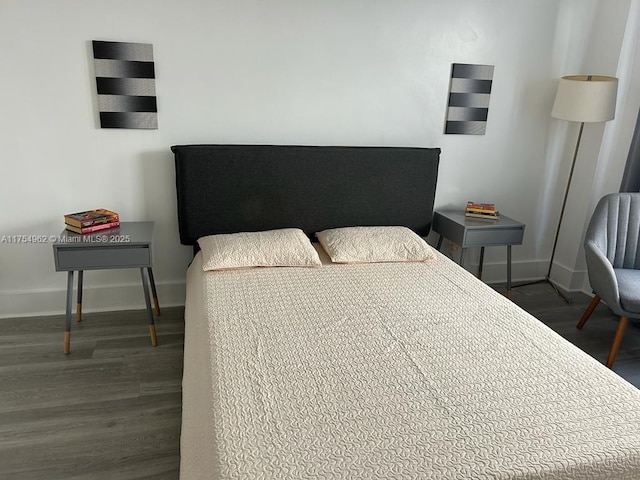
(595, 337)
(111, 409)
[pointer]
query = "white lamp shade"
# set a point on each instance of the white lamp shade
(586, 98)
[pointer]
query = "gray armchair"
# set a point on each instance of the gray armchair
(612, 248)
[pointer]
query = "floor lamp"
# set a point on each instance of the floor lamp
(581, 98)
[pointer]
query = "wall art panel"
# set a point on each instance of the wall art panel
(469, 94)
(125, 81)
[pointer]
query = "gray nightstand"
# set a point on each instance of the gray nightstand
(128, 246)
(470, 232)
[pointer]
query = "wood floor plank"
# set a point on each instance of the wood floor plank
(76, 422)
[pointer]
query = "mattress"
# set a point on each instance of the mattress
(398, 370)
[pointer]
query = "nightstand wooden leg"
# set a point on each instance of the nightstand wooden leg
(439, 243)
(154, 293)
(152, 333)
(480, 263)
(67, 320)
(79, 303)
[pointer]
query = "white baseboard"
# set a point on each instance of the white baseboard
(99, 298)
(496, 272)
(522, 272)
(569, 280)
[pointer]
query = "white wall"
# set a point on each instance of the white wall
(367, 72)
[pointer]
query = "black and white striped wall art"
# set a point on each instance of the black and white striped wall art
(469, 94)
(125, 80)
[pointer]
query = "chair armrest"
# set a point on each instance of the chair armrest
(602, 276)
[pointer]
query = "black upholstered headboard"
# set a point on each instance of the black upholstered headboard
(241, 188)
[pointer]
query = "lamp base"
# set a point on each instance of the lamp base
(553, 285)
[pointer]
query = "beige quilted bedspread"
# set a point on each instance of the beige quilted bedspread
(390, 371)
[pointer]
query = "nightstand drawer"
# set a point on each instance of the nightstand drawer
(496, 236)
(90, 258)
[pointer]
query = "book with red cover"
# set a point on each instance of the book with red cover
(93, 228)
(480, 207)
(91, 217)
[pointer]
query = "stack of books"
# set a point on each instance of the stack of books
(91, 220)
(482, 210)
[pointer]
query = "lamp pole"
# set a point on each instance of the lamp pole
(564, 202)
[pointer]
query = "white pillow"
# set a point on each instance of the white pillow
(374, 244)
(287, 247)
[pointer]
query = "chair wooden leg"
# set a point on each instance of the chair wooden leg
(587, 313)
(617, 340)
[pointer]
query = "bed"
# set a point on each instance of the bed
(390, 369)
